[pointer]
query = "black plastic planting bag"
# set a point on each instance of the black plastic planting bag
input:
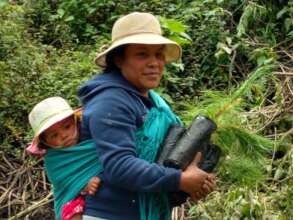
(210, 157)
(190, 142)
(173, 134)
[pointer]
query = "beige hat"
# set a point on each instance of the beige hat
(45, 114)
(139, 28)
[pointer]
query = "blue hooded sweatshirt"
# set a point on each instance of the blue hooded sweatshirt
(113, 111)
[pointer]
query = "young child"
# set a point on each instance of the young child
(56, 126)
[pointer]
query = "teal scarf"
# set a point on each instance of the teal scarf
(69, 169)
(154, 206)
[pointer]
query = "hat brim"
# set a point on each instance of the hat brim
(173, 50)
(34, 148)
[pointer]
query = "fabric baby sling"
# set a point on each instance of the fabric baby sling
(69, 169)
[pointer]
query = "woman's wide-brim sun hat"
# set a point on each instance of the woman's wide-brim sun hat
(44, 115)
(139, 28)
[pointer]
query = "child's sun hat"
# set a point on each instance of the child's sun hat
(45, 114)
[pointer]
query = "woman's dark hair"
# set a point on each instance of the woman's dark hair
(110, 58)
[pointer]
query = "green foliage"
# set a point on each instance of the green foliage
(251, 12)
(247, 148)
(31, 71)
(209, 61)
(237, 140)
(261, 74)
(43, 26)
(47, 49)
(206, 27)
(210, 46)
(224, 106)
(86, 20)
(177, 31)
(265, 14)
(244, 171)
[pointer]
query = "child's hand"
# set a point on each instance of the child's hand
(92, 186)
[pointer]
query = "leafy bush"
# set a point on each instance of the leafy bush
(86, 19)
(218, 32)
(31, 71)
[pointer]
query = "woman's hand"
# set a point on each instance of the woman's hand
(92, 186)
(196, 182)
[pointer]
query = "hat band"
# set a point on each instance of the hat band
(134, 33)
(50, 116)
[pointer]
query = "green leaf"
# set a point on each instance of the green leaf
(288, 22)
(173, 25)
(179, 40)
(290, 34)
(3, 3)
(91, 10)
(219, 53)
(279, 174)
(225, 48)
(261, 60)
(186, 36)
(60, 12)
(70, 18)
(229, 40)
(282, 12)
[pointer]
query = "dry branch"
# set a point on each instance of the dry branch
(42, 202)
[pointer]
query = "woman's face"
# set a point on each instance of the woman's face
(142, 65)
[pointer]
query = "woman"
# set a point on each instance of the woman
(127, 121)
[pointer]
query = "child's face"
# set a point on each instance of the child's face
(62, 134)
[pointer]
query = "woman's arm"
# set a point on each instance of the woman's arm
(113, 123)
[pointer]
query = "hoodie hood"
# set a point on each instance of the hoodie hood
(102, 81)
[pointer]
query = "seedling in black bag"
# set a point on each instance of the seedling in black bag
(181, 145)
(173, 135)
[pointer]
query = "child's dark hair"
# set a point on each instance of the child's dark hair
(42, 144)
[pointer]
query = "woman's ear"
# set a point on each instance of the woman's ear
(118, 61)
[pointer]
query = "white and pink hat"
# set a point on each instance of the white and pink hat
(45, 114)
